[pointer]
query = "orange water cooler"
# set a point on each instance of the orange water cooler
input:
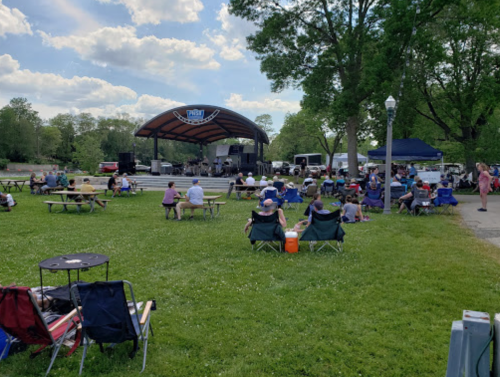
(292, 242)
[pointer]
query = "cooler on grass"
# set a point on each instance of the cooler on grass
(292, 242)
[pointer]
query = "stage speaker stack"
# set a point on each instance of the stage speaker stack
(126, 163)
(248, 163)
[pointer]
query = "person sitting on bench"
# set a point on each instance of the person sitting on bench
(7, 201)
(125, 183)
(168, 200)
(194, 199)
(50, 180)
(87, 187)
(113, 185)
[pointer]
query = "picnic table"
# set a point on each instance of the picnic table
(238, 192)
(13, 183)
(67, 196)
(211, 202)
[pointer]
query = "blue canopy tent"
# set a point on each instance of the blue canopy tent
(408, 150)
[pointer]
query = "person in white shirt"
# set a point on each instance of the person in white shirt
(263, 181)
(250, 180)
(269, 187)
(125, 183)
(228, 165)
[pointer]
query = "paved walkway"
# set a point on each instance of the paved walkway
(486, 225)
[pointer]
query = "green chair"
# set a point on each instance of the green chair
(266, 231)
(324, 228)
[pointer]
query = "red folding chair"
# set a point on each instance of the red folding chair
(21, 318)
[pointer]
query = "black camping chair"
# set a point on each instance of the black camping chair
(325, 227)
(266, 231)
(344, 193)
(396, 193)
(107, 318)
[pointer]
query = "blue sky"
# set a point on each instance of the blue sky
(140, 57)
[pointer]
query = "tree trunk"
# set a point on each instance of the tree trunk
(352, 145)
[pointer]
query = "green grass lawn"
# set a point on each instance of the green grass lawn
(383, 307)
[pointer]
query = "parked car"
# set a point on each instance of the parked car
(282, 167)
(108, 167)
(143, 168)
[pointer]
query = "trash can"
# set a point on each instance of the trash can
(292, 242)
(155, 167)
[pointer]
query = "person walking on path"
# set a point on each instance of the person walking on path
(484, 181)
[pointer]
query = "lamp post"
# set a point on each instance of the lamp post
(390, 103)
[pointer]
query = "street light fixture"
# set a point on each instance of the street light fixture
(390, 103)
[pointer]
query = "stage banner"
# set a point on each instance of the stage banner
(222, 150)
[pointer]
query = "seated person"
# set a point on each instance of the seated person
(125, 183)
(267, 209)
(194, 199)
(269, 187)
(87, 187)
(425, 186)
(309, 180)
(326, 182)
(33, 180)
(113, 185)
(395, 181)
(240, 182)
(317, 206)
(62, 180)
(168, 200)
(352, 210)
(72, 185)
(340, 182)
(407, 199)
(263, 181)
(355, 185)
(250, 181)
(50, 181)
(443, 183)
(7, 201)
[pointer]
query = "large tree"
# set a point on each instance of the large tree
(333, 50)
(457, 73)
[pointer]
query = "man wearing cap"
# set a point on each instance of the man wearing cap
(87, 187)
(267, 209)
(263, 181)
(112, 185)
(269, 187)
(250, 181)
(443, 183)
(318, 207)
(125, 183)
(194, 199)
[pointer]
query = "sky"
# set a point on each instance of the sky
(140, 57)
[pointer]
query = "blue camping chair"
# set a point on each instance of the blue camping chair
(279, 185)
(292, 198)
(373, 198)
(106, 316)
(328, 188)
(274, 196)
(445, 201)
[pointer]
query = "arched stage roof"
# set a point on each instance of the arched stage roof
(201, 124)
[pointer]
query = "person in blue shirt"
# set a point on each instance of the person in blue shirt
(194, 199)
(413, 171)
(496, 172)
(340, 182)
(50, 180)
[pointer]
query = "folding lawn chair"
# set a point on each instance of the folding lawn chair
(328, 189)
(396, 193)
(273, 195)
(311, 190)
(279, 185)
(292, 198)
(266, 231)
(324, 228)
(421, 204)
(373, 198)
(21, 318)
(107, 318)
(445, 201)
(343, 193)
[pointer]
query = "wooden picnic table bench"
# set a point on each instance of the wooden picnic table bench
(238, 191)
(77, 204)
(137, 188)
(209, 205)
(13, 183)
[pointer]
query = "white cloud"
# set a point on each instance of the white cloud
(56, 90)
(120, 47)
(231, 37)
(52, 94)
(155, 11)
(13, 21)
(146, 107)
(236, 102)
(84, 20)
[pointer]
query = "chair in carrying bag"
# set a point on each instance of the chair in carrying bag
(107, 318)
(324, 227)
(445, 201)
(292, 198)
(21, 318)
(266, 231)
